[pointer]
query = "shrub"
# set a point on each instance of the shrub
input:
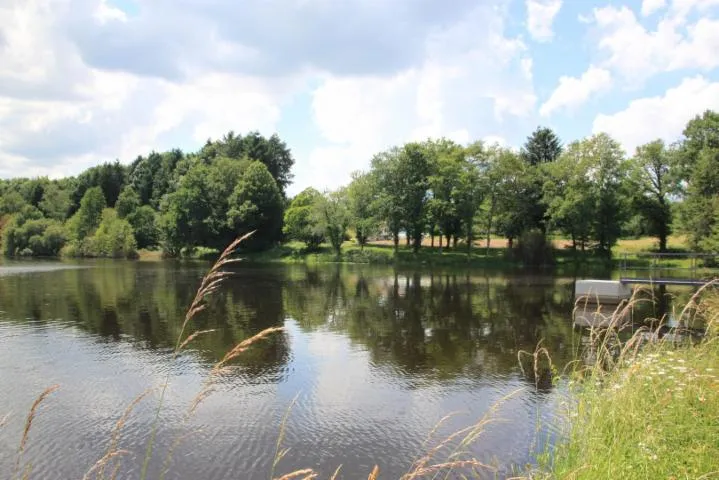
(533, 248)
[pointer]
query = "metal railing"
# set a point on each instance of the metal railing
(658, 264)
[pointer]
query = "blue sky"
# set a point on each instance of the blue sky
(87, 81)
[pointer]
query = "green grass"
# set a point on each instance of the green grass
(654, 416)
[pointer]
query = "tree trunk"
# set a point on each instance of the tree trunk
(407, 238)
(454, 241)
(510, 243)
(489, 224)
(662, 241)
(469, 239)
(449, 240)
(440, 241)
(416, 240)
(396, 240)
(432, 243)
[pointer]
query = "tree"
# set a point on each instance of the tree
(653, 180)
(256, 204)
(300, 222)
(541, 148)
(114, 238)
(700, 132)
(569, 195)
(447, 159)
(144, 225)
(360, 199)
(510, 178)
(332, 216)
(414, 169)
(128, 202)
(88, 217)
(607, 173)
(389, 203)
(55, 202)
(273, 152)
(585, 192)
(110, 177)
(700, 212)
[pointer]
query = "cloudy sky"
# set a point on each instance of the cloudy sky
(87, 81)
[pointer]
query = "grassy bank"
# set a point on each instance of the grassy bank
(655, 415)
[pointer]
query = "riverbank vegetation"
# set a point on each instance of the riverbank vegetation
(431, 193)
(647, 408)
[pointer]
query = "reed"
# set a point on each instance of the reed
(646, 407)
(28, 425)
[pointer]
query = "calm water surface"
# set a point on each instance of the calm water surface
(375, 358)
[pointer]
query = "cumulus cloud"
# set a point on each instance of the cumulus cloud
(540, 17)
(651, 6)
(84, 81)
(664, 116)
(572, 92)
(637, 53)
(468, 79)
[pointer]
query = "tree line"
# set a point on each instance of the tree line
(588, 191)
(174, 201)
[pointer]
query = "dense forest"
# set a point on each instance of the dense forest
(588, 191)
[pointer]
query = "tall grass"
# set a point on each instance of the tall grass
(647, 407)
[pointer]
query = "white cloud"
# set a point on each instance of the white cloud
(572, 92)
(466, 81)
(664, 116)
(540, 17)
(651, 6)
(637, 53)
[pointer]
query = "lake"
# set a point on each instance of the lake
(373, 358)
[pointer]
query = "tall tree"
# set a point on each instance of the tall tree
(653, 180)
(389, 203)
(272, 151)
(88, 217)
(361, 194)
(700, 212)
(256, 204)
(300, 222)
(542, 146)
(332, 216)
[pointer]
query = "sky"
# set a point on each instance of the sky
(89, 81)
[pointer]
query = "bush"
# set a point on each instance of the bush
(533, 248)
(27, 235)
(114, 238)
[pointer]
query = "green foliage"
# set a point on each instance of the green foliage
(11, 202)
(114, 238)
(272, 152)
(27, 233)
(361, 193)
(55, 202)
(585, 193)
(542, 146)
(653, 180)
(88, 217)
(256, 204)
(331, 215)
(144, 225)
(300, 222)
(700, 212)
(127, 202)
(108, 177)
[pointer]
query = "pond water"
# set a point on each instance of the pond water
(373, 358)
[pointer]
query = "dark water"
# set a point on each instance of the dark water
(375, 358)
